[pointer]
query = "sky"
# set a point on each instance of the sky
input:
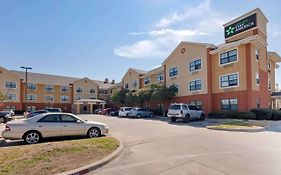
(102, 39)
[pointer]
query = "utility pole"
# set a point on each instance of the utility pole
(26, 82)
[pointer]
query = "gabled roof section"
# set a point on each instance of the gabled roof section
(139, 71)
(85, 78)
(39, 78)
(154, 71)
(11, 72)
(207, 45)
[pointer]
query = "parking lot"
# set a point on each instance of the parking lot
(156, 146)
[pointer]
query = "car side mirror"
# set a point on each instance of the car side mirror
(79, 122)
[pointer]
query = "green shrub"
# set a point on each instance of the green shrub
(216, 115)
(263, 114)
(276, 115)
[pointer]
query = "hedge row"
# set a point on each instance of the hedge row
(257, 114)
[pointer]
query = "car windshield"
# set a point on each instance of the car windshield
(53, 110)
(128, 109)
(175, 107)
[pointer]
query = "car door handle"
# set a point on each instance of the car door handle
(64, 126)
(40, 126)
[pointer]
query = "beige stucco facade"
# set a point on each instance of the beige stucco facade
(89, 89)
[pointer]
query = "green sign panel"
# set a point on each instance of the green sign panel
(241, 26)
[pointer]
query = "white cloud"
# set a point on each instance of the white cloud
(199, 23)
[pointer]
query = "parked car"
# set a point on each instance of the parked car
(106, 111)
(53, 109)
(10, 111)
(124, 111)
(139, 112)
(34, 113)
(34, 129)
(5, 116)
(97, 111)
(114, 113)
(186, 112)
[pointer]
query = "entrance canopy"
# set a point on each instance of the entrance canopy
(87, 106)
(90, 101)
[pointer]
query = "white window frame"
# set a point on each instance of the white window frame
(32, 84)
(178, 72)
(12, 94)
(64, 87)
(257, 51)
(64, 101)
(10, 82)
(92, 92)
(32, 95)
(49, 86)
(79, 88)
(145, 80)
(228, 50)
(134, 82)
(228, 75)
(161, 74)
(45, 98)
(195, 90)
(258, 78)
(196, 70)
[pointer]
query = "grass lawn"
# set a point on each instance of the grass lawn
(240, 124)
(54, 157)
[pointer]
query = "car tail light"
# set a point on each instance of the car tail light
(7, 128)
(181, 111)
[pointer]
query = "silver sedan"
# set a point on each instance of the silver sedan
(52, 125)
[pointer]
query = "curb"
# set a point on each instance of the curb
(257, 129)
(93, 166)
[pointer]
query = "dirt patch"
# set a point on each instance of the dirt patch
(54, 157)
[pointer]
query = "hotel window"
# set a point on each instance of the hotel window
(258, 103)
(269, 84)
(195, 65)
(173, 72)
(197, 103)
(49, 88)
(31, 97)
(268, 65)
(228, 57)
(257, 79)
(160, 77)
(64, 89)
(31, 108)
(134, 84)
(146, 80)
(229, 104)
(176, 87)
(195, 85)
(229, 80)
(11, 97)
(31, 86)
(126, 86)
(64, 98)
(257, 54)
(10, 108)
(79, 90)
(11, 85)
(49, 98)
(78, 98)
(92, 91)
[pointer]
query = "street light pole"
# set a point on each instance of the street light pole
(25, 100)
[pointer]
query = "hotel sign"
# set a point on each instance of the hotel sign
(241, 26)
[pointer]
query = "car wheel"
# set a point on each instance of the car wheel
(152, 115)
(186, 118)
(202, 117)
(127, 115)
(138, 116)
(32, 137)
(94, 132)
(3, 120)
(173, 119)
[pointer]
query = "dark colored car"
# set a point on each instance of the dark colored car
(114, 113)
(53, 109)
(34, 113)
(5, 117)
(97, 111)
(139, 112)
(106, 111)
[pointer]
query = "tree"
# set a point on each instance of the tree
(119, 97)
(143, 96)
(3, 97)
(163, 94)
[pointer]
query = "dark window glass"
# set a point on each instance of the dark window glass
(228, 57)
(68, 119)
(51, 118)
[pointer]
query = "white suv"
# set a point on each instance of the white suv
(124, 111)
(186, 112)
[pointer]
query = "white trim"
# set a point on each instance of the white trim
(80, 88)
(197, 70)
(256, 54)
(64, 91)
(146, 78)
(49, 100)
(9, 100)
(195, 90)
(49, 85)
(228, 50)
(256, 79)
(229, 86)
(159, 74)
(35, 95)
(32, 89)
(11, 82)
(64, 101)
(174, 76)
